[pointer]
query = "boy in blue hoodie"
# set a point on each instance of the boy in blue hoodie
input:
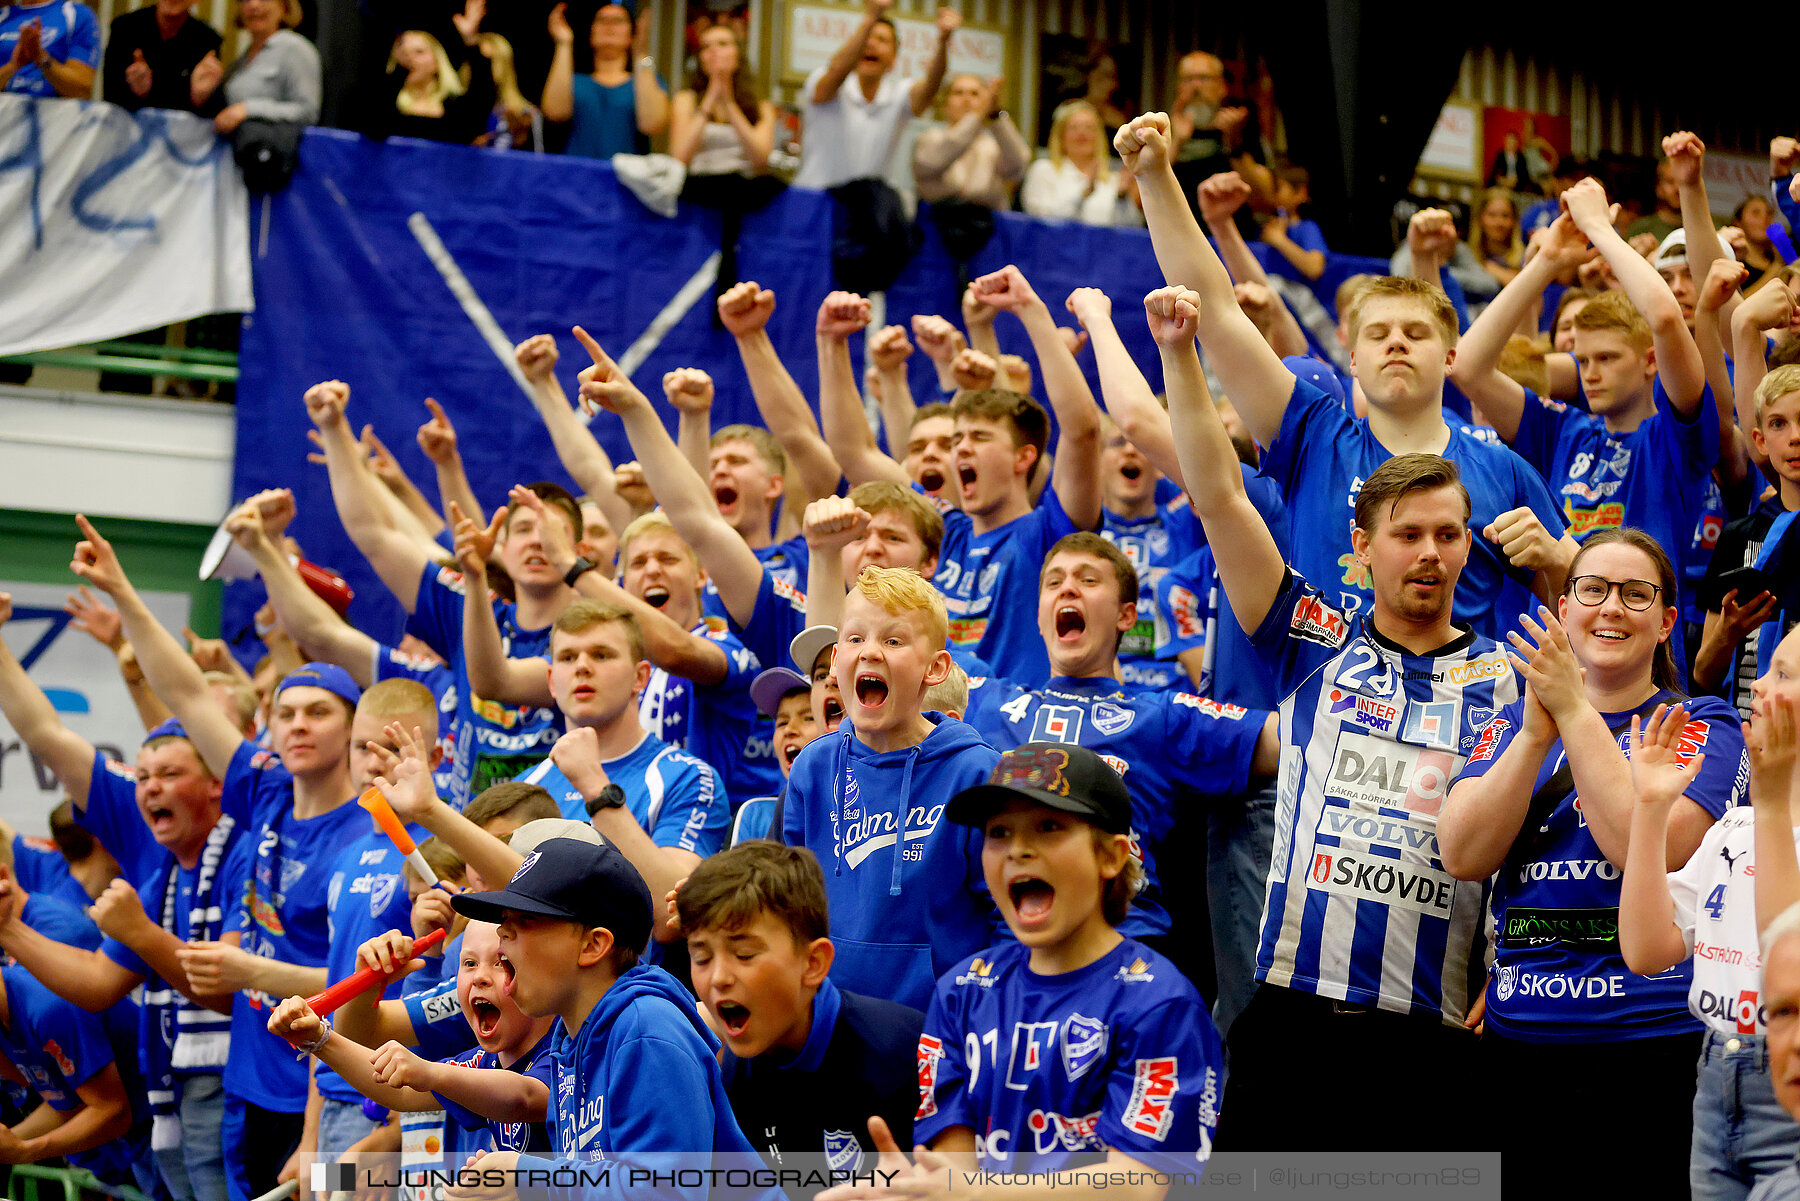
(635, 1072)
(906, 897)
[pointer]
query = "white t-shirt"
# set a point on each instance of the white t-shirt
(1715, 908)
(850, 137)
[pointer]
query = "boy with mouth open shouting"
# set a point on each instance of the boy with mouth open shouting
(502, 1085)
(907, 895)
(1075, 1040)
(806, 1064)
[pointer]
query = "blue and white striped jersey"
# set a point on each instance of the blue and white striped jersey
(1359, 907)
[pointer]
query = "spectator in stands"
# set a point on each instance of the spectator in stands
(1076, 181)
(275, 79)
(968, 167)
(1568, 307)
(1213, 131)
(1755, 216)
(623, 102)
(430, 96)
(1781, 1000)
(1494, 235)
(150, 54)
(52, 49)
(1666, 218)
(978, 155)
(1462, 264)
(723, 129)
(1297, 239)
(851, 134)
(515, 122)
(1103, 91)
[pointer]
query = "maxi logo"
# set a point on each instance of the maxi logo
(1184, 612)
(1490, 738)
(1151, 1108)
(1315, 621)
(1411, 886)
(1368, 771)
(931, 1054)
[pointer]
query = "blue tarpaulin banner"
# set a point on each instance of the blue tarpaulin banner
(345, 291)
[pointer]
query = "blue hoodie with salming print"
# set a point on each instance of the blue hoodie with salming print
(639, 1085)
(905, 889)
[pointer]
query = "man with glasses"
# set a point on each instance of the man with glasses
(1212, 131)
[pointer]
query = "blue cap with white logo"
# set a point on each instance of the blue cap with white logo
(574, 881)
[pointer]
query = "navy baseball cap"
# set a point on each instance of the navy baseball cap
(1055, 774)
(171, 728)
(329, 676)
(574, 881)
(1320, 375)
(771, 687)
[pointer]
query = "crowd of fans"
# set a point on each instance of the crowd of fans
(1036, 782)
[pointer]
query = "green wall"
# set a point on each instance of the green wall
(159, 556)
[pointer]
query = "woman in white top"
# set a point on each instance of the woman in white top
(723, 132)
(1077, 181)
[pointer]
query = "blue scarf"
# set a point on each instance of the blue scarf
(179, 1033)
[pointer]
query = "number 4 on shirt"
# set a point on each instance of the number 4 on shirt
(1715, 902)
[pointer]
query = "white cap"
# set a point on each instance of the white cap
(808, 643)
(527, 837)
(1673, 251)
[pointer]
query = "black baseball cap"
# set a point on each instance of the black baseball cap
(1056, 774)
(575, 881)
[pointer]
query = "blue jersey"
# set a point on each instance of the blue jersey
(778, 615)
(60, 921)
(1119, 1054)
(203, 1034)
(1198, 616)
(1776, 556)
(990, 584)
(508, 738)
(456, 733)
(712, 721)
(675, 797)
(639, 1082)
(1558, 972)
(1153, 544)
(437, 1018)
(59, 1046)
(284, 913)
(1359, 907)
(905, 888)
(1320, 458)
(40, 868)
(365, 898)
(508, 1136)
(1653, 478)
(111, 815)
(1714, 515)
(786, 561)
(1166, 746)
(70, 32)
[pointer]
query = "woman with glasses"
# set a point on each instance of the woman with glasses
(1584, 1051)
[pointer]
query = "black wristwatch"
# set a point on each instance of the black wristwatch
(581, 564)
(611, 797)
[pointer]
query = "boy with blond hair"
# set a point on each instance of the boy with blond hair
(1643, 453)
(907, 893)
(1403, 336)
(1735, 612)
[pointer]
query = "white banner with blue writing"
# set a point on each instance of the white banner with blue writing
(114, 222)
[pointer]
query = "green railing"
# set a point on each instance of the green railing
(139, 358)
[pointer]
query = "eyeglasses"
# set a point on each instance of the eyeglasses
(1592, 591)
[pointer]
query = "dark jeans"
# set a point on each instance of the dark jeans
(258, 1144)
(1312, 1074)
(1635, 1095)
(733, 195)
